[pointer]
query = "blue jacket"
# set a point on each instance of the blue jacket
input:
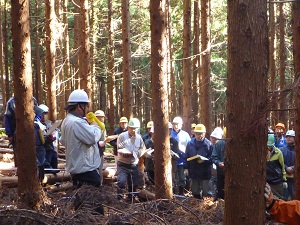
(281, 142)
(288, 153)
(183, 138)
(199, 171)
(218, 155)
(9, 116)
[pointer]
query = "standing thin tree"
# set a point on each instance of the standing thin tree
(111, 68)
(28, 187)
(282, 60)
(246, 111)
(50, 59)
(126, 66)
(159, 48)
(1, 57)
(186, 66)
(296, 51)
(196, 63)
(205, 98)
(84, 53)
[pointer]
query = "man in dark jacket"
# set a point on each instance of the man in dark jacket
(198, 155)
(122, 128)
(288, 153)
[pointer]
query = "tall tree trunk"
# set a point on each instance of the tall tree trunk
(76, 83)
(272, 65)
(196, 63)
(111, 69)
(4, 100)
(206, 111)
(126, 66)
(5, 51)
(27, 177)
(92, 59)
(38, 93)
(66, 53)
(296, 54)
(172, 84)
(246, 100)
(162, 158)
(282, 59)
(84, 59)
(50, 59)
(186, 67)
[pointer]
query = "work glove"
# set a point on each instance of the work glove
(93, 119)
(268, 195)
(284, 185)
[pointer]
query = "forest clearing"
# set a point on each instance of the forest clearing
(232, 65)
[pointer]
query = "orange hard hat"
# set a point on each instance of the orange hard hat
(280, 125)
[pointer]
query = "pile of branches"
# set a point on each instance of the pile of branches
(90, 205)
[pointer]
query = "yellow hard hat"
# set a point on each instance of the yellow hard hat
(200, 128)
(149, 124)
(193, 125)
(123, 120)
(280, 125)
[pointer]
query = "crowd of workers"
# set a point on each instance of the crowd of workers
(195, 158)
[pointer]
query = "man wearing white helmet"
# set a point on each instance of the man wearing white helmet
(288, 153)
(80, 140)
(183, 138)
(51, 153)
(130, 148)
(218, 157)
(101, 144)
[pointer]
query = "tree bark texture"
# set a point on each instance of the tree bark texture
(282, 60)
(25, 142)
(38, 91)
(196, 63)
(111, 69)
(8, 88)
(272, 44)
(50, 59)
(296, 53)
(126, 65)
(4, 100)
(205, 88)
(162, 158)
(186, 67)
(246, 150)
(84, 58)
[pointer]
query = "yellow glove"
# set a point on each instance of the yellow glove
(92, 118)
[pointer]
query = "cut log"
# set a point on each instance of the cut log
(109, 172)
(146, 195)
(6, 150)
(61, 187)
(51, 179)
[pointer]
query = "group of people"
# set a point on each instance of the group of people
(46, 153)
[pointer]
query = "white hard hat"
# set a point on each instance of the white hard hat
(217, 133)
(177, 119)
(99, 113)
(290, 133)
(78, 96)
(134, 123)
(44, 108)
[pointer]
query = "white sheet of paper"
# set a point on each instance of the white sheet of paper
(54, 126)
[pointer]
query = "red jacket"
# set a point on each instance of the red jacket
(286, 212)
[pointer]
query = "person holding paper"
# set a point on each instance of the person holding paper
(130, 148)
(101, 144)
(198, 152)
(50, 138)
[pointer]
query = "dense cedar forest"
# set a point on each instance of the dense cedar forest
(233, 64)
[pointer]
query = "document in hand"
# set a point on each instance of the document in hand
(54, 126)
(110, 138)
(197, 157)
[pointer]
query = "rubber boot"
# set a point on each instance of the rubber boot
(181, 191)
(119, 194)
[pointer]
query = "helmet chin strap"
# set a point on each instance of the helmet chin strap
(83, 108)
